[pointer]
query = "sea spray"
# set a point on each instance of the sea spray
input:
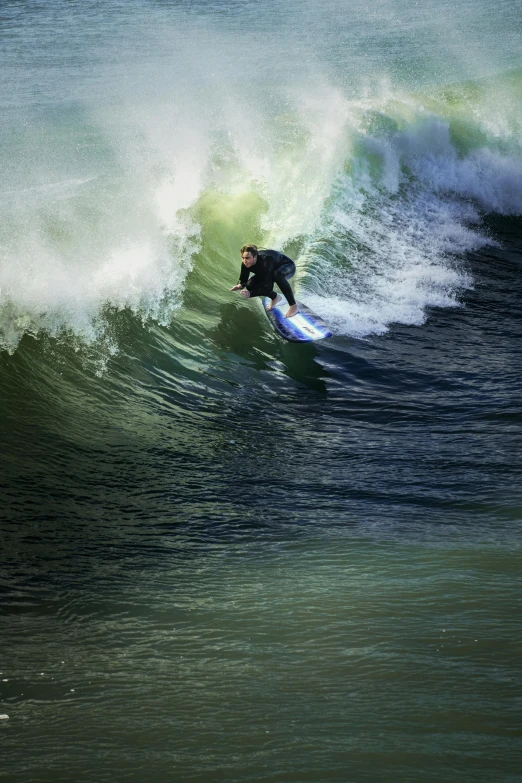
(402, 217)
(111, 165)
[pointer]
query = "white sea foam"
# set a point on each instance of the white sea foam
(393, 243)
(100, 198)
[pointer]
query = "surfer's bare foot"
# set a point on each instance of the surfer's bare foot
(291, 311)
(274, 302)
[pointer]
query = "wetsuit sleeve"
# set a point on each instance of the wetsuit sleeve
(243, 275)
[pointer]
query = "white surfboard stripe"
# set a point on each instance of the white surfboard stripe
(302, 327)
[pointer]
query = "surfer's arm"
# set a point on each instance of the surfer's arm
(243, 278)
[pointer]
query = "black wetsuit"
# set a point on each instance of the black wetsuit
(271, 267)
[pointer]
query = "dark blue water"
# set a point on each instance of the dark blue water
(225, 557)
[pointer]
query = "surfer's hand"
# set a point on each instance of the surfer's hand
(245, 293)
(236, 287)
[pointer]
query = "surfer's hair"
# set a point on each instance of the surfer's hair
(249, 249)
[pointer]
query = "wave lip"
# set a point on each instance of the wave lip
(404, 214)
(378, 201)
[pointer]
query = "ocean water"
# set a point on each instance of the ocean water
(225, 557)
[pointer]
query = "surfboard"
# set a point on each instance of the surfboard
(305, 327)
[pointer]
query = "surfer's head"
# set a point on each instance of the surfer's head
(249, 255)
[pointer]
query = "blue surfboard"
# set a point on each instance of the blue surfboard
(305, 327)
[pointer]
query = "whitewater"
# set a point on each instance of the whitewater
(123, 143)
(224, 556)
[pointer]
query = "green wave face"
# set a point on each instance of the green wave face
(226, 557)
(134, 168)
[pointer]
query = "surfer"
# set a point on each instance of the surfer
(268, 267)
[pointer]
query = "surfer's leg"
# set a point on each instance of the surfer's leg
(287, 269)
(263, 290)
(257, 289)
(281, 277)
(260, 288)
(275, 300)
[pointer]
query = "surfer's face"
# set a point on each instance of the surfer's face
(249, 259)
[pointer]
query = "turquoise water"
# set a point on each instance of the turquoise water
(225, 557)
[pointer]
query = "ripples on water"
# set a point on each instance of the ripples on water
(295, 566)
(226, 558)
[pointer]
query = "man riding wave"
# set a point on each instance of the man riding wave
(268, 267)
